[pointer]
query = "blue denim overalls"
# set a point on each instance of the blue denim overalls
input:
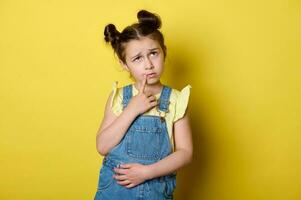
(146, 142)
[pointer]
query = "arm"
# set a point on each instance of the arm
(112, 128)
(183, 151)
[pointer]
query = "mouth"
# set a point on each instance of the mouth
(151, 75)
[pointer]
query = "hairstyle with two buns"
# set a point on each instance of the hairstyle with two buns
(148, 26)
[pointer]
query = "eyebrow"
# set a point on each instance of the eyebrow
(136, 55)
(153, 48)
(140, 52)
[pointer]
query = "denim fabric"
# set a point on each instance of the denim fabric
(146, 142)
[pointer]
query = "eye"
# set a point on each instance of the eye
(154, 52)
(137, 58)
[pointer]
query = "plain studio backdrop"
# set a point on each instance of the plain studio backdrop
(242, 59)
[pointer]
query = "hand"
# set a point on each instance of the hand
(143, 101)
(131, 174)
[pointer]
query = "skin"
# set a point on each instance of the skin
(143, 56)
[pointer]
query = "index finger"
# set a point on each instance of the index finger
(142, 88)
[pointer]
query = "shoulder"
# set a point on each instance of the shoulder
(179, 101)
(118, 90)
(116, 98)
(176, 94)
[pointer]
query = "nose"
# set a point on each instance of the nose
(148, 64)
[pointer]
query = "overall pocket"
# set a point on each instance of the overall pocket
(105, 177)
(144, 142)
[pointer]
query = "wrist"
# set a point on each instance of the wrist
(149, 172)
(131, 112)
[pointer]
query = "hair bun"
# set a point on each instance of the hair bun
(149, 19)
(111, 33)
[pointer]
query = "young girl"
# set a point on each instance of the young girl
(145, 134)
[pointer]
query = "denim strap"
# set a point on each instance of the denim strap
(164, 98)
(127, 95)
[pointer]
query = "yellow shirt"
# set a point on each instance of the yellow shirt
(177, 107)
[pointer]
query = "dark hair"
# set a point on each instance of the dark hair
(148, 25)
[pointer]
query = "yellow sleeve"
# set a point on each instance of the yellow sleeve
(182, 103)
(116, 101)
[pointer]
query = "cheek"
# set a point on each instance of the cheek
(136, 71)
(158, 62)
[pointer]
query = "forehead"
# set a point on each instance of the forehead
(134, 47)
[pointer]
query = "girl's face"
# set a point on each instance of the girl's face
(144, 57)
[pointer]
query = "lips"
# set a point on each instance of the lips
(151, 75)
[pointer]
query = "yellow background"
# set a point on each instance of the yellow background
(241, 58)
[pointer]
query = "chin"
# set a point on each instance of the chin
(153, 81)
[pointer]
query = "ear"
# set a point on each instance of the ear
(124, 65)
